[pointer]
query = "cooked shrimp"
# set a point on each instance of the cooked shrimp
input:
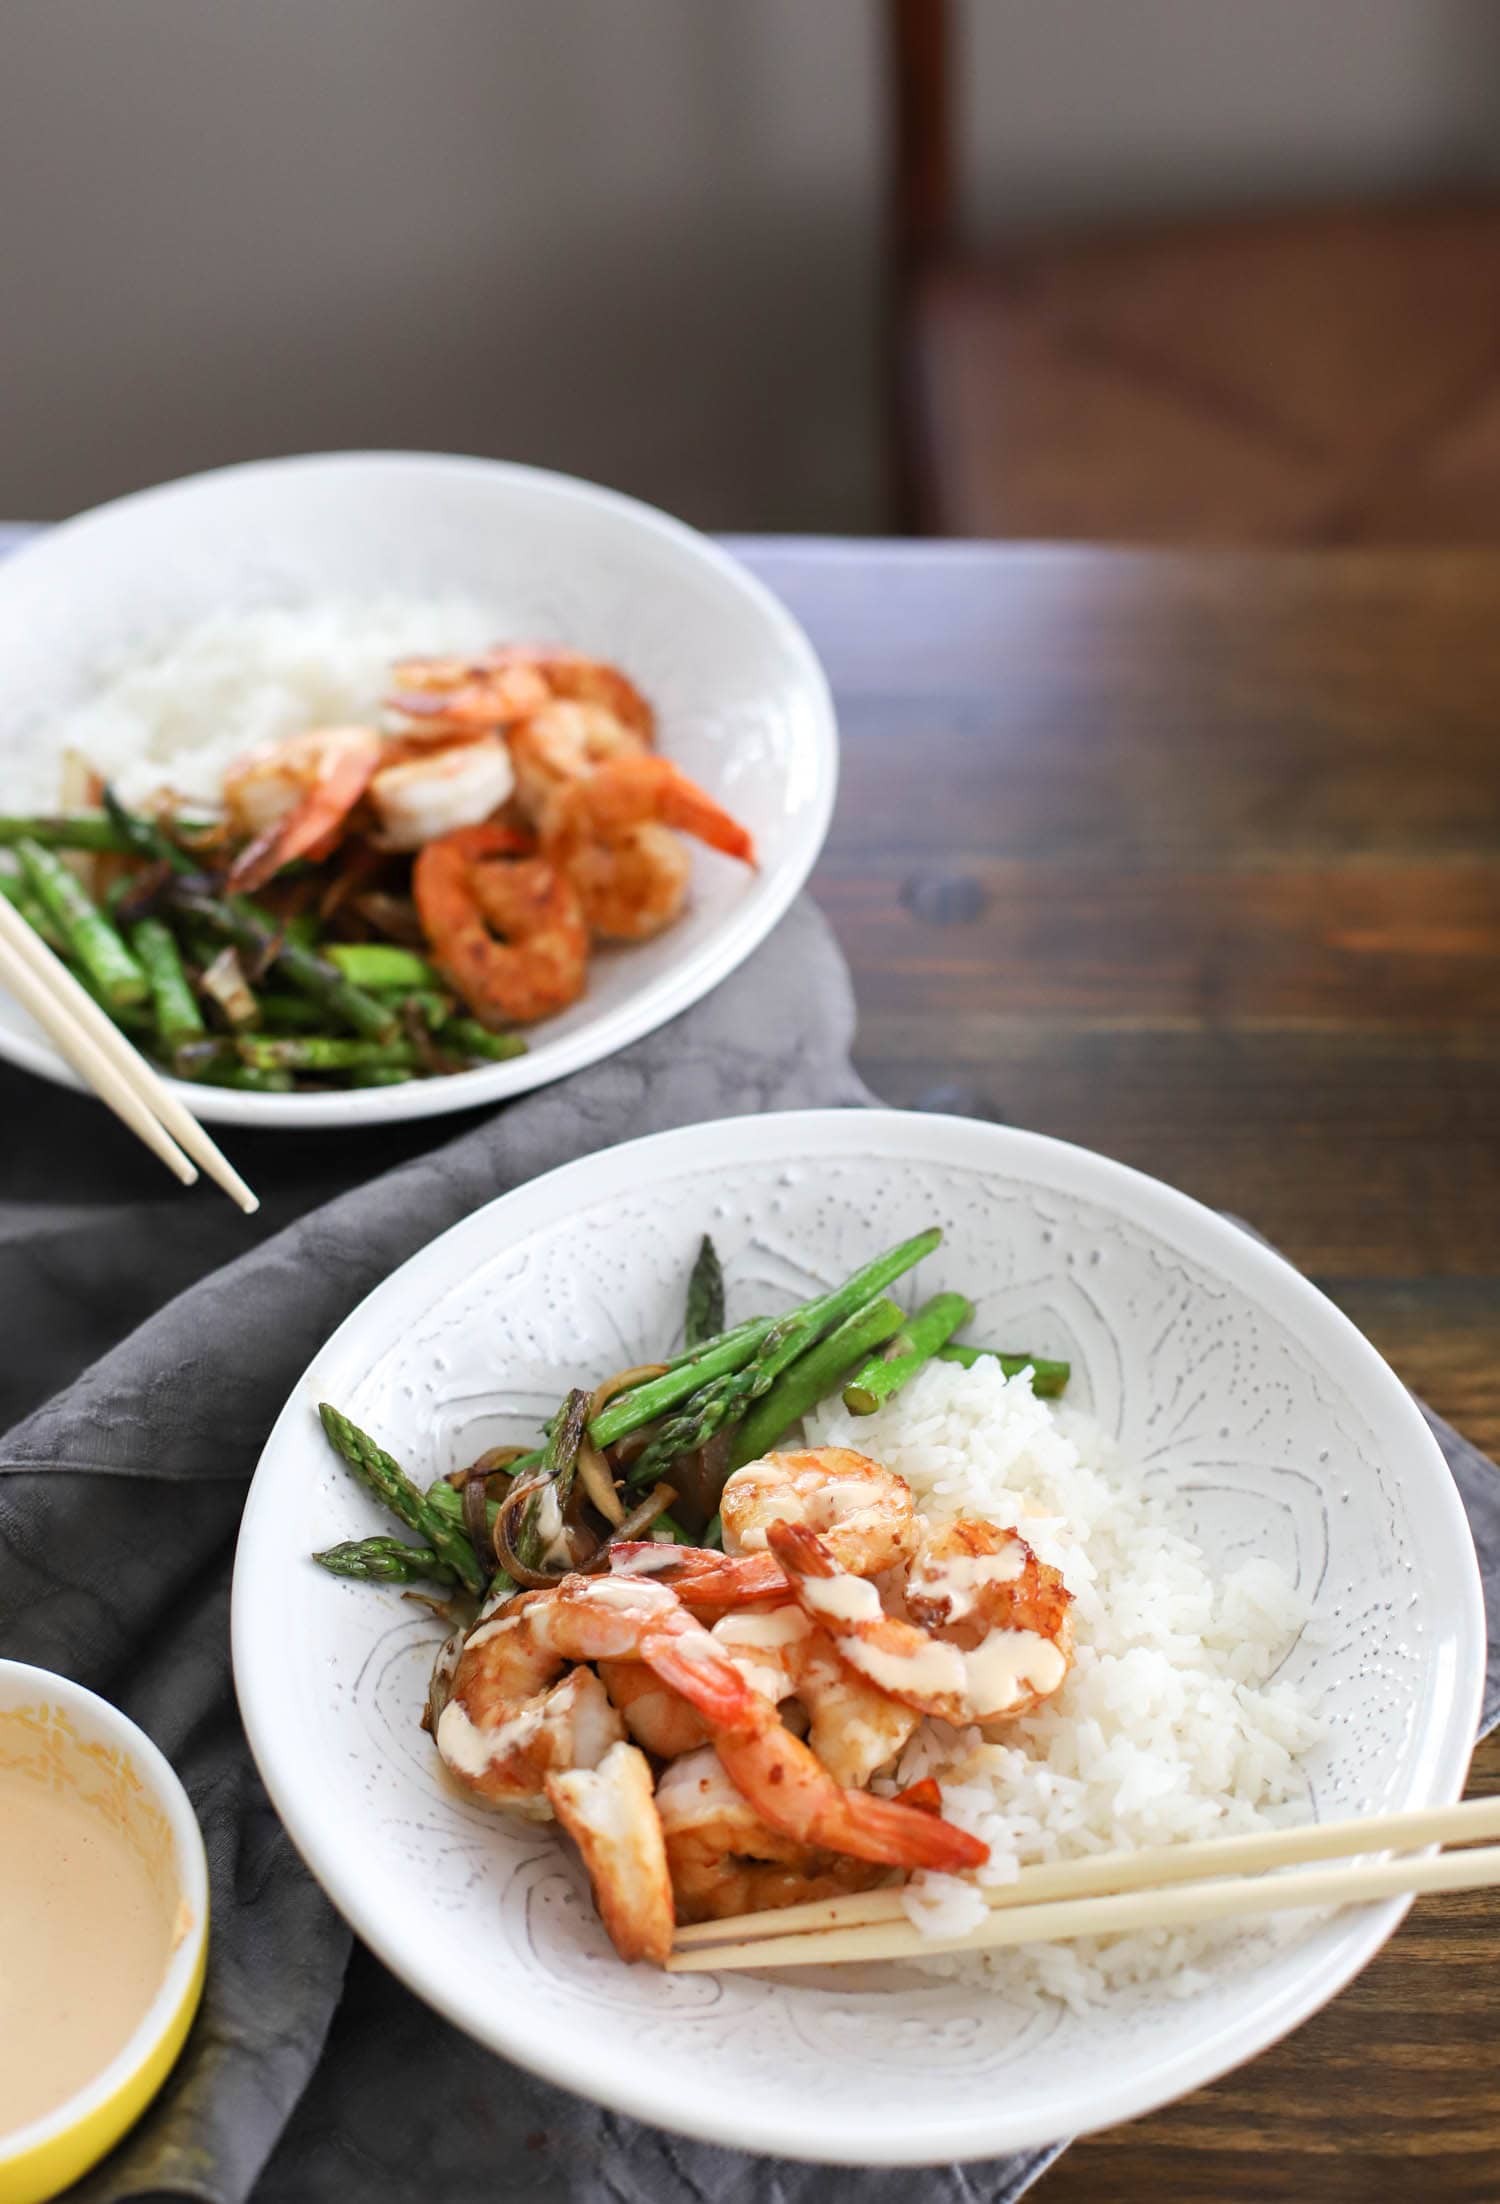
(294, 799)
(418, 799)
(512, 1718)
(724, 1860)
(506, 928)
(445, 697)
(999, 1635)
(562, 743)
(611, 1816)
(783, 1779)
(503, 685)
(611, 834)
(862, 1509)
(706, 1581)
(654, 1715)
(853, 1728)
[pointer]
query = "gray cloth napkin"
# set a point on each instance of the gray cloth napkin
(311, 2070)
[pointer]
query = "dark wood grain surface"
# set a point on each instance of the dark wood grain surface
(1196, 860)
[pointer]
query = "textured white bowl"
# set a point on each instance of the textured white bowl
(742, 702)
(1240, 1388)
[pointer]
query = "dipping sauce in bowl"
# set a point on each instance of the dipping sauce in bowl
(103, 1920)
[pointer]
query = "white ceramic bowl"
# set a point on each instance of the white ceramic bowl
(742, 703)
(1257, 1403)
(72, 1739)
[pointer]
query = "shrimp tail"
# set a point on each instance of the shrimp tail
(880, 1828)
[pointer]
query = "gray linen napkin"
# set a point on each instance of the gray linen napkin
(311, 2070)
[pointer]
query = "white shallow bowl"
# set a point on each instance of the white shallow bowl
(1242, 1390)
(741, 699)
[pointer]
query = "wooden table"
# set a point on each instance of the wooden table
(1195, 861)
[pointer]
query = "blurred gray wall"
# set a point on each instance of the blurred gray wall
(633, 238)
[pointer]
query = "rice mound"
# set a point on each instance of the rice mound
(1168, 1727)
(177, 716)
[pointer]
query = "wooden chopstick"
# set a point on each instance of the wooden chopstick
(101, 1055)
(1118, 1892)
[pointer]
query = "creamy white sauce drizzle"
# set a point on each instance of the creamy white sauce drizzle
(841, 1598)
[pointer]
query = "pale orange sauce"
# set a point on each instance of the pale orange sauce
(84, 1941)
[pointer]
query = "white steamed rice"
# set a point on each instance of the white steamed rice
(1168, 1727)
(178, 715)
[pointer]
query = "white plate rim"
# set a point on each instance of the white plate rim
(1204, 1235)
(695, 976)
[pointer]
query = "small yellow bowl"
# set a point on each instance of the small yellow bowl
(67, 1737)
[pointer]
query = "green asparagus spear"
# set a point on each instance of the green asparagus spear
(467, 1037)
(17, 893)
(246, 1077)
(235, 918)
(644, 1403)
(380, 964)
(917, 1342)
(379, 1075)
(178, 1018)
(1048, 1379)
(422, 1004)
(283, 1012)
(813, 1377)
(88, 830)
(144, 836)
(705, 1297)
(384, 1561)
(391, 1484)
(726, 1399)
(753, 1326)
(88, 933)
(323, 1052)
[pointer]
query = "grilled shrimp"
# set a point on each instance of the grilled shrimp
(506, 928)
(706, 1581)
(512, 1717)
(993, 1635)
(448, 697)
(501, 1732)
(505, 684)
(611, 834)
(653, 1713)
(419, 798)
(565, 742)
(724, 1860)
(293, 799)
(783, 1779)
(853, 1728)
(611, 1816)
(863, 1510)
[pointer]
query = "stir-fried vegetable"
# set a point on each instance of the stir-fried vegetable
(90, 937)
(1048, 1379)
(704, 1317)
(390, 1483)
(722, 1403)
(904, 1354)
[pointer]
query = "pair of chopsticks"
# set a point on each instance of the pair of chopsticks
(1120, 1893)
(102, 1057)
